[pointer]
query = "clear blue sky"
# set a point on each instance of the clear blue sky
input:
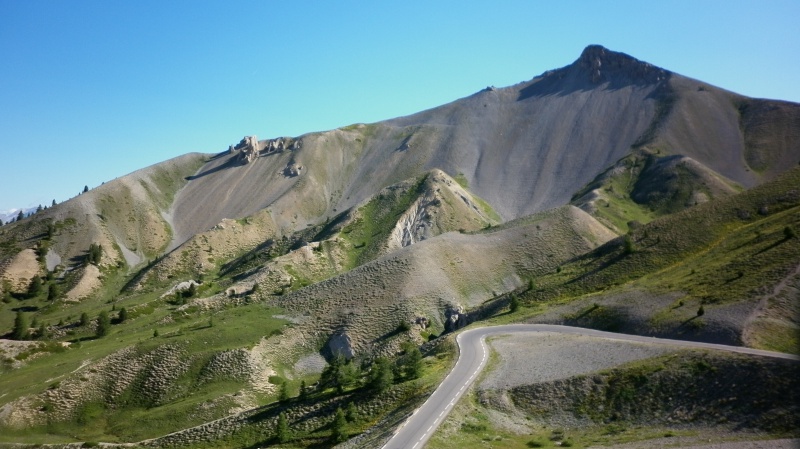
(92, 90)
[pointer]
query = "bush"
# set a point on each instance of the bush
(628, 245)
(514, 304)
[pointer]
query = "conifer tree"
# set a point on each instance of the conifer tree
(338, 428)
(35, 287)
(103, 324)
(282, 429)
(20, 327)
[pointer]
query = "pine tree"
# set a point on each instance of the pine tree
(42, 332)
(410, 364)
(303, 390)
(95, 253)
(338, 428)
(381, 376)
(1, 222)
(283, 394)
(20, 327)
(52, 292)
(282, 429)
(84, 319)
(352, 413)
(39, 209)
(35, 287)
(20, 216)
(85, 189)
(103, 324)
(123, 315)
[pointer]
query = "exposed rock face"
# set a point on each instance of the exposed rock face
(292, 169)
(604, 65)
(249, 148)
(455, 318)
(340, 344)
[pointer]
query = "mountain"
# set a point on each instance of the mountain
(11, 214)
(608, 193)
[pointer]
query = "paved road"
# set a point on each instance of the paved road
(472, 345)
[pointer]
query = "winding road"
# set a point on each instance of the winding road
(418, 428)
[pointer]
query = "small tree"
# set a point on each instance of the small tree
(85, 189)
(53, 203)
(103, 324)
(283, 393)
(628, 245)
(339, 427)
(514, 304)
(351, 413)
(282, 429)
(35, 286)
(303, 390)
(20, 327)
(155, 333)
(789, 233)
(95, 253)
(41, 333)
(346, 376)
(52, 292)
(381, 376)
(701, 311)
(20, 216)
(84, 319)
(122, 315)
(410, 364)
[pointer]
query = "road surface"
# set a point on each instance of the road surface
(419, 427)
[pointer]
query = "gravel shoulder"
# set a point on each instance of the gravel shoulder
(527, 358)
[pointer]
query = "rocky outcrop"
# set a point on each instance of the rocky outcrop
(603, 65)
(340, 345)
(292, 169)
(247, 148)
(250, 148)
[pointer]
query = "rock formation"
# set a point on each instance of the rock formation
(249, 148)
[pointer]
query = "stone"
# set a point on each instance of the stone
(340, 344)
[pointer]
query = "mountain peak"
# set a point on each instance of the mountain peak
(602, 65)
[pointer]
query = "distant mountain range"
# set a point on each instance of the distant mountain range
(7, 215)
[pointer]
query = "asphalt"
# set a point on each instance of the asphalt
(419, 427)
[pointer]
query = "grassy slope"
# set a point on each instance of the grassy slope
(646, 185)
(731, 251)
